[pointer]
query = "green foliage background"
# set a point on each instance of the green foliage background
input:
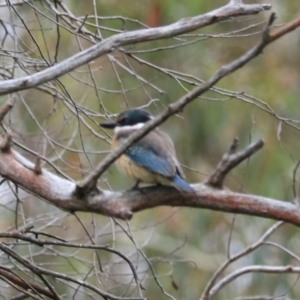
(201, 133)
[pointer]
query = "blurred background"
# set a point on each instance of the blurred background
(59, 120)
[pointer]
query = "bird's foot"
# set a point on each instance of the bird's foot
(136, 186)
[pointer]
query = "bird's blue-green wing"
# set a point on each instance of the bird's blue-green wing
(151, 161)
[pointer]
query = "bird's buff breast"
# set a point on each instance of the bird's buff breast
(138, 173)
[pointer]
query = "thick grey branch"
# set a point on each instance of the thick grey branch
(61, 192)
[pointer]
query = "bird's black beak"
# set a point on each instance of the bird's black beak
(109, 125)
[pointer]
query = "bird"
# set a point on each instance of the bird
(152, 159)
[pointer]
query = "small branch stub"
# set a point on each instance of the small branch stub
(6, 143)
(6, 107)
(230, 160)
(37, 168)
(90, 189)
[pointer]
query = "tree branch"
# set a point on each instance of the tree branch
(253, 269)
(114, 42)
(23, 235)
(6, 107)
(25, 285)
(206, 293)
(231, 160)
(61, 192)
(41, 271)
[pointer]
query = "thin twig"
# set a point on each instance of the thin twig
(18, 234)
(211, 283)
(253, 269)
(41, 271)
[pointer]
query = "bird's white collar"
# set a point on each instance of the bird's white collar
(137, 126)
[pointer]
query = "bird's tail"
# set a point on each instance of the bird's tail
(181, 184)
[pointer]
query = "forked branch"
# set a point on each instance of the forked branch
(230, 160)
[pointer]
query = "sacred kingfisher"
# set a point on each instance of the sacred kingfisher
(152, 159)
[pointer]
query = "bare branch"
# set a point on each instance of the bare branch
(231, 160)
(6, 143)
(284, 30)
(114, 42)
(6, 107)
(206, 293)
(41, 271)
(23, 286)
(21, 234)
(61, 192)
(253, 269)
(26, 285)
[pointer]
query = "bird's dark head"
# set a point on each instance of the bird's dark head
(129, 117)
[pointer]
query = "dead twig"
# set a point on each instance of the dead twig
(6, 143)
(230, 160)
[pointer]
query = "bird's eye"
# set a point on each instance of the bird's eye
(123, 121)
